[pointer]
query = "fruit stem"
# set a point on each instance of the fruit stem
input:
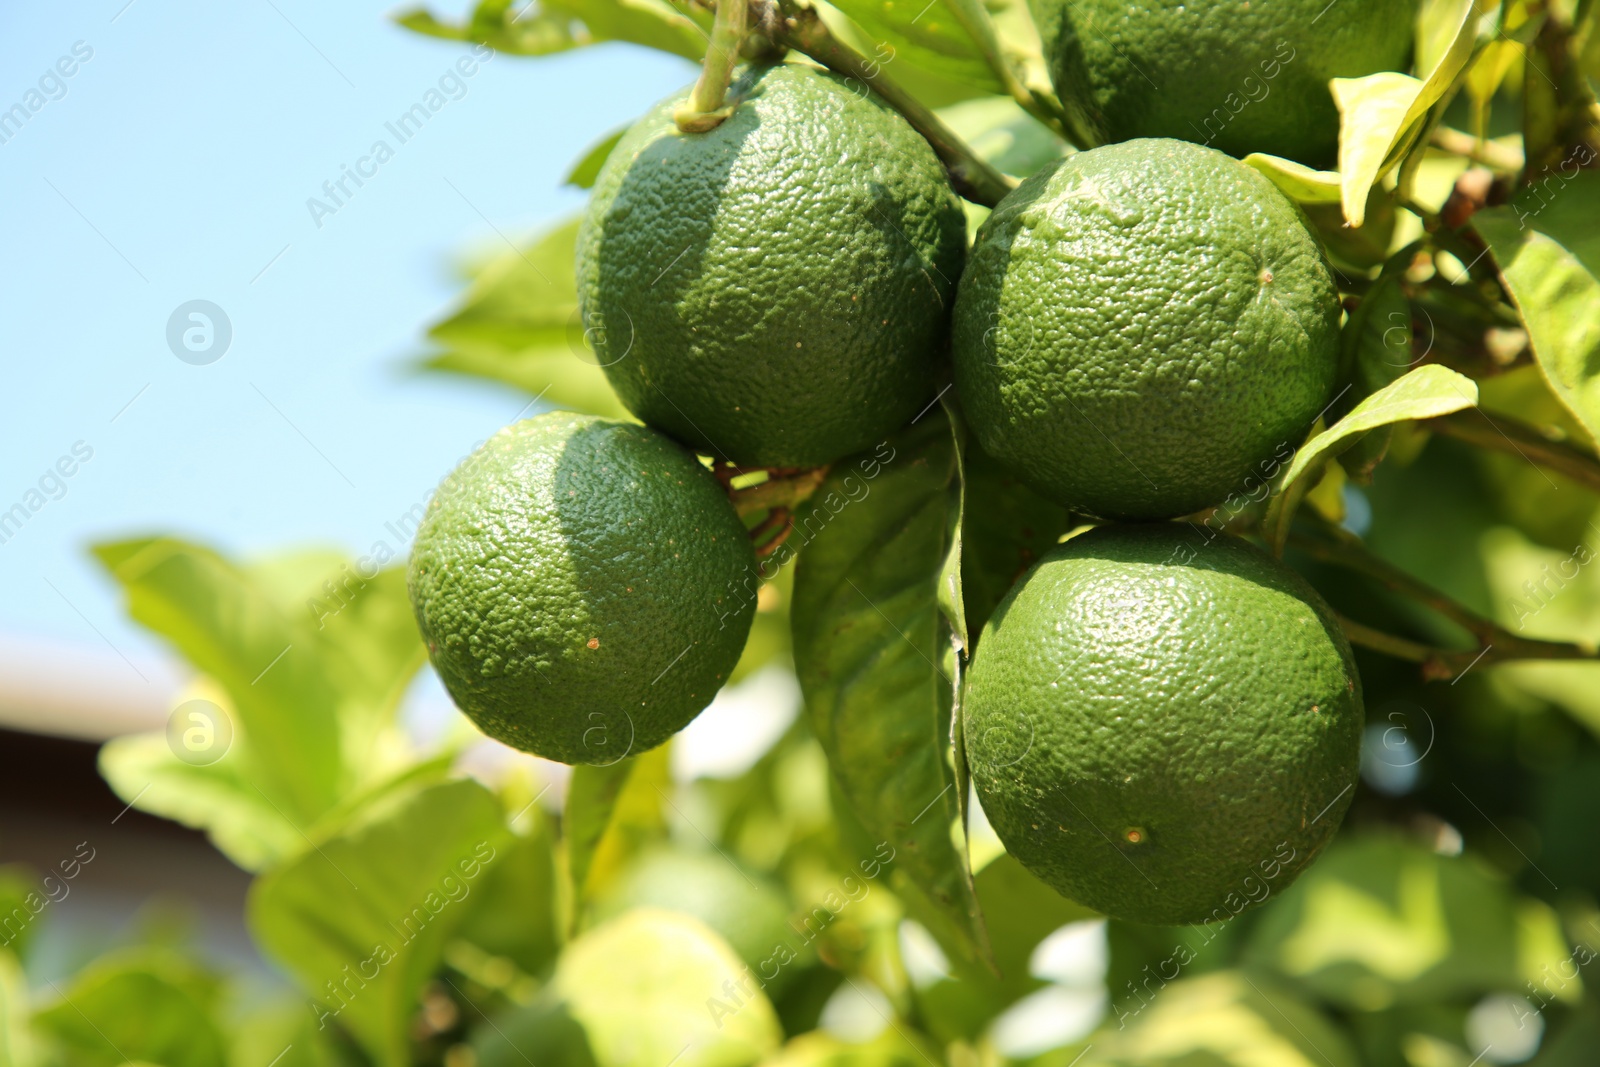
(1495, 644)
(1478, 427)
(804, 31)
(705, 109)
(785, 488)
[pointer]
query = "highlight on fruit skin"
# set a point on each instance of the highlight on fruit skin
(774, 291)
(1163, 723)
(1145, 329)
(1239, 77)
(573, 580)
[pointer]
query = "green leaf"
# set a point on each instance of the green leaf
(1424, 393)
(611, 811)
(142, 1006)
(1375, 345)
(361, 921)
(592, 794)
(1006, 529)
(1225, 1019)
(310, 655)
(894, 1047)
(1380, 921)
(923, 35)
(869, 640)
(16, 1030)
(587, 169)
(647, 989)
(1300, 183)
(513, 911)
(1546, 244)
(546, 27)
(1003, 134)
(240, 821)
(518, 324)
(1380, 115)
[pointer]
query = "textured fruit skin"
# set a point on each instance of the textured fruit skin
(1142, 327)
(776, 291)
(1194, 692)
(573, 583)
(1242, 77)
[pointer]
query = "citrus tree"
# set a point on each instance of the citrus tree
(1161, 441)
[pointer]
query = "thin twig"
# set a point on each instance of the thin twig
(784, 489)
(1494, 643)
(804, 31)
(1490, 154)
(1512, 436)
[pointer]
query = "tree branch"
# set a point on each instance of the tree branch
(1478, 427)
(804, 31)
(1495, 644)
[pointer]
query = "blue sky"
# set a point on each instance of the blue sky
(175, 164)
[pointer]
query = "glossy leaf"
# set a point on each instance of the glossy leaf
(610, 812)
(1424, 393)
(649, 988)
(361, 921)
(1300, 183)
(1379, 114)
(1547, 247)
(871, 646)
(1379, 921)
(151, 1007)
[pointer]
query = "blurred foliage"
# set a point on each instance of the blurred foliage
(835, 902)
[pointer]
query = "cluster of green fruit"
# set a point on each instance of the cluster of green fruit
(1134, 331)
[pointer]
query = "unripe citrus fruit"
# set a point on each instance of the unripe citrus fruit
(1238, 76)
(572, 582)
(1163, 723)
(1143, 328)
(775, 291)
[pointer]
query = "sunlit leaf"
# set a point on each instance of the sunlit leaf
(311, 654)
(1547, 246)
(545, 27)
(518, 324)
(361, 920)
(1226, 1019)
(1300, 183)
(1424, 393)
(154, 1007)
(611, 811)
(1379, 921)
(647, 989)
(921, 34)
(16, 1030)
(1378, 113)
